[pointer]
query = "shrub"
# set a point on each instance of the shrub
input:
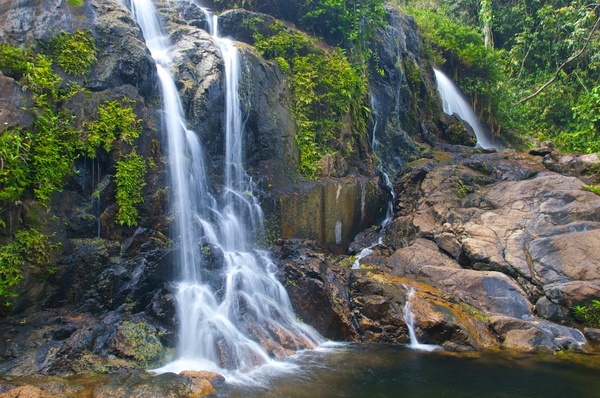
(130, 181)
(74, 52)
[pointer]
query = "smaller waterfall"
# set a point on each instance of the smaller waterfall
(367, 251)
(409, 317)
(389, 211)
(453, 101)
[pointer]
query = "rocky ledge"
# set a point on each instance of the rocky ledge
(498, 248)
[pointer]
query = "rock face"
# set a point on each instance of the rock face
(403, 91)
(331, 211)
(511, 243)
(102, 268)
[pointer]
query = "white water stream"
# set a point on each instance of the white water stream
(233, 312)
(453, 101)
(409, 317)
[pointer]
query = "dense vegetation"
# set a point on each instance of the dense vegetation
(327, 84)
(325, 88)
(35, 161)
(536, 76)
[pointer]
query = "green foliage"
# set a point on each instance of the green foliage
(141, 342)
(446, 38)
(462, 190)
(589, 315)
(586, 137)
(35, 162)
(115, 121)
(27, 247)
(43, 83)
(341, 21)
(13, 60)
(130, 181)
(76, 52)
(15, 147)
(325, 88)
(592, 188)
(538, 44)
(53, 153)
(283, 43)
(75, 3)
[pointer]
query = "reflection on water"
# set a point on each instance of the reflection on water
(383, 371)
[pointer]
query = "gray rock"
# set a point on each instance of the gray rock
(491, 292)
(592, 334)
(12, 102)
(530, 334)
(25, 20)
(122, 54)
(421, 253)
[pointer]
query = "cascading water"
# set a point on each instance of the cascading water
(409, 317)
(234, 314)
(389, 211)
(453, 101)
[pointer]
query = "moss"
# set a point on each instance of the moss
(592, 188)
(326, 88)
(116, 121)
(476, 313)
(141, 342)
(129, 178)
(75, 52)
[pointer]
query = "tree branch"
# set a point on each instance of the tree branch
(571, 59)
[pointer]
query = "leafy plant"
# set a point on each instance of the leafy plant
(115, 121)
(27, 247)
(141, 342)
(35, 162)
(589, 315)
(130, 181)
(74, 52)
(325, 88)
(75, 3)
(13, 60)
(592, 188)
(15, 145)
(462, 190)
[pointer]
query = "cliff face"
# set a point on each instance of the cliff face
(112, 282)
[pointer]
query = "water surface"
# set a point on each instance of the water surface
(384, 371)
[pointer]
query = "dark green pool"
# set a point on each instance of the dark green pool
(383, 371)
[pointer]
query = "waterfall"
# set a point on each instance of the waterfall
(453, 101)
(233, 312)
(389, 211)
(409, 317)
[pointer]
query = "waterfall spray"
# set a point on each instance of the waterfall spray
(453, 101)
(409, 317)
(235, 314)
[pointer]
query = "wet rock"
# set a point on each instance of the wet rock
(531, 334)
(122, 54)
(24, 20)
(583, 166)
(366, 304)
(140, 384)
(204, 382)
(592, 334)
(399, 117)
(421, 253)
(331, 211)
(12, 102)
(25, 392)
(491, 292)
